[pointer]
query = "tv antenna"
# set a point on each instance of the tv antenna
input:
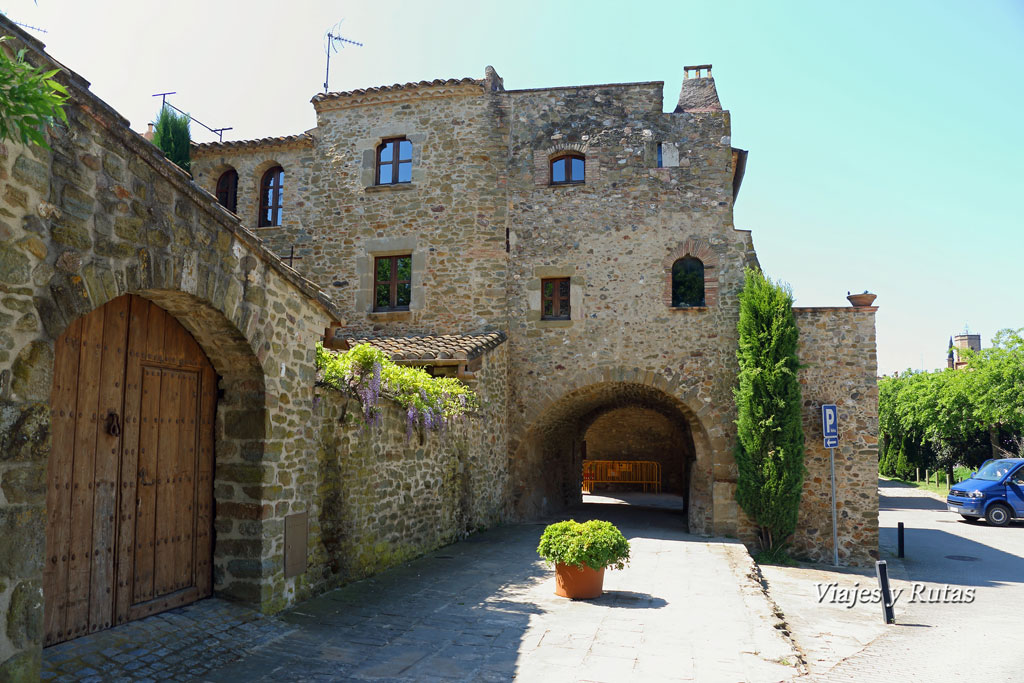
(31, 28)
(219, 132)
(332, 41)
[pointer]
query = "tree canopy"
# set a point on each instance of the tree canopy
(954, 417)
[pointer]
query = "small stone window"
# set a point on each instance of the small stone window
(554, 299)
(270, 197)
(394, 162)
(392, 283)
(227, 190)
(568, 169)
(661, 159)
(687, 282)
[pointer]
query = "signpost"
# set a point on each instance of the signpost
(830, 428)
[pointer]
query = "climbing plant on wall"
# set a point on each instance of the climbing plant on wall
(368, 375)
(770, 438)
(30, 99)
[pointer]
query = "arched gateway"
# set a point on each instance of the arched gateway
(627, 420)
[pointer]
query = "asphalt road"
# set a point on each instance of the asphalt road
(940, 633)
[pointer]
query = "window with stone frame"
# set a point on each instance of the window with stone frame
(568, 169)
(688, 282)
(392, 283)
(271, 187)
(227, 190)
(554, 298)
(394, 162)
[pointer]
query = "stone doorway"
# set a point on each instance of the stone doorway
(626, 422)
(129, 479)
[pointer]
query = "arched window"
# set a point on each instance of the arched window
(687, 282)
(227, 190)
(270, 197)
(394, 162)
(567, 169)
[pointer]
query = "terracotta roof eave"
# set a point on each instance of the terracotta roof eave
(300, 140)
(359, 92)
(448, 349)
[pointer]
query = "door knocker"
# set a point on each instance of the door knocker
(113, 424)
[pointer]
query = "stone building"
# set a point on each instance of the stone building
(570, 252)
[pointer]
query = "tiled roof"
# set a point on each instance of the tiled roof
(437, 82)
(433, 348)
(300, 139)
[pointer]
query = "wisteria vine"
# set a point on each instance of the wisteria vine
(368, 374)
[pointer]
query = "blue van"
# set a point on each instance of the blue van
(995, 492)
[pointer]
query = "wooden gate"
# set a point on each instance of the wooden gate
(130, 479)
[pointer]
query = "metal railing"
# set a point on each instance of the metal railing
(644, 472)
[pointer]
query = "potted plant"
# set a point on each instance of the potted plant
(581, 552)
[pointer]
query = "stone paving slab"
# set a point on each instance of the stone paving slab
(686, 608)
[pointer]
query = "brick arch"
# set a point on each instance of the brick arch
(542, 160)
(703, 251)
(562, 416)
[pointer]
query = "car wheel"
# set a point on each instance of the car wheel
(998, 515)
(969, 518)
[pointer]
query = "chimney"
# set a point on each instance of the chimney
(698, 92)
(149, 133)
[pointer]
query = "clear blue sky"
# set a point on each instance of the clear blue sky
(885, 138)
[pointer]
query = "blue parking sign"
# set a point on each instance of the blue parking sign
(830, 425)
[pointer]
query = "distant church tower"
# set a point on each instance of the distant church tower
(962, 341)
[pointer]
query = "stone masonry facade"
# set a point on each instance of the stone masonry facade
(102, 214)
(485, 225)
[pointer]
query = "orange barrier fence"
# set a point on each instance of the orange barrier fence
(643, 472)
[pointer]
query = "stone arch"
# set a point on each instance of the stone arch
(241, 428)
(547, 456)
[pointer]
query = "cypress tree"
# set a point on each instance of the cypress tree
(171, 134)
(770, 438)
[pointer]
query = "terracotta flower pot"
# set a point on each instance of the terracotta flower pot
(578, 584)
(865, 299)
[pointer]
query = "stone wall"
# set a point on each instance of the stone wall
(295, 155)
(385, 495)
(837, 348)
(102, 214)
(616, 236)
(636, 433)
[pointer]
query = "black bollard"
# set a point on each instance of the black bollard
(899, 540)
(888, 614)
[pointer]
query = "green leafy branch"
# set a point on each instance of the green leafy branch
(30, 99)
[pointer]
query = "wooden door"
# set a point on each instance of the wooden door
(130, 478)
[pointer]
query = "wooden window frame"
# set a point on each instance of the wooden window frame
(703, 283)
(569, 180)
(272, 183)
(227, 190)
(556, 299)
(395, 163)
(393, 283)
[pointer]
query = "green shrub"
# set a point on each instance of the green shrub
(770, 438)
(595, 544)
(171, 134)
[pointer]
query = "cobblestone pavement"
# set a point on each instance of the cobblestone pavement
(935, 640)
(484, 609)
(181, 644)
